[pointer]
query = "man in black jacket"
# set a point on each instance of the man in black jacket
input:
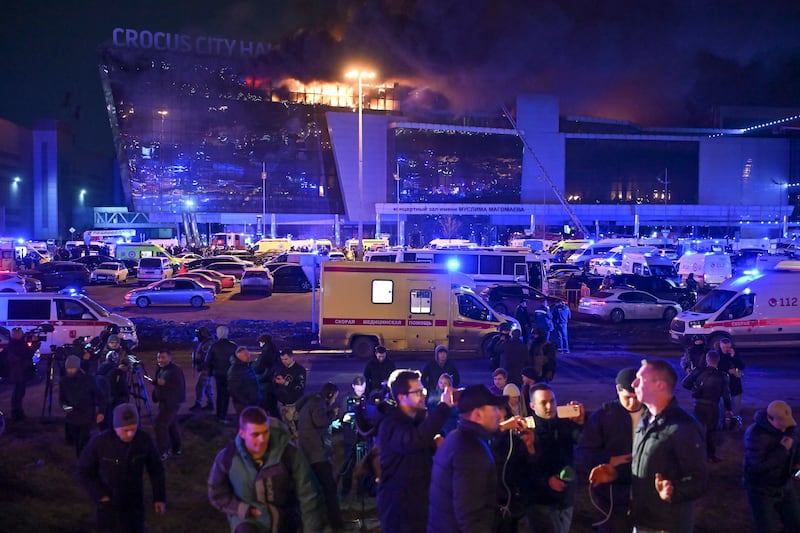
(377, 369)
(464, 478)
(708, 385)
(242, 381)
(668, 468)
(406, 446)
(440, 365)
(169, 392)
(218, 360)
(20, 363)
(290, 385)
(111, 469)
(771, 456)
(316, 412)
(81, 401)
(607, 438)
(552, 470)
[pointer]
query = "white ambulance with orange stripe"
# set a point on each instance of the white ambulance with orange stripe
(755, 310)
(404, 307)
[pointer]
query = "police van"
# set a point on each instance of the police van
(755, 310)
(71, 317)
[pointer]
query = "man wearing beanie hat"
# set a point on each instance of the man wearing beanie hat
(607, 439)
(81, 401)
(219, 361)
(771, 457)
(440, 365)
(111, 470)
(464, 479)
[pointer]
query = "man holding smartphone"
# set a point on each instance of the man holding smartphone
(771, 459)
(557, 431)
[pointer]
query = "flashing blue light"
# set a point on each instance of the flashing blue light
(453, 265)
(752, 272)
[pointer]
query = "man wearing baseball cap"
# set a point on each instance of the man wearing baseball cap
(464, 480)
(771, 458)
(111, 469)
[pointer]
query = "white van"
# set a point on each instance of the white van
(755, 310)
(647, 264)
(70, 316)
(710, 268)
(153, 269)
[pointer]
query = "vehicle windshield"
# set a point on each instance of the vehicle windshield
(108, 266)
(94, 306)
(662, 271)
(713, 301)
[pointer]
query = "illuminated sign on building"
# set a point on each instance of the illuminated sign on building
(179, 42)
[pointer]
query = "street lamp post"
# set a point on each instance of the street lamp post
(360, 74)
(263, 198)
(397, 201)
(163, 114)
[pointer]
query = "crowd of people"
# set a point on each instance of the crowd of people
(438, 454)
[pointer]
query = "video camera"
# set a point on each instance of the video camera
(36, 336)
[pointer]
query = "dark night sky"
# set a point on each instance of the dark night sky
(658, 63)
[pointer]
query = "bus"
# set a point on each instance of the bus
(230, 241)
(485, 265)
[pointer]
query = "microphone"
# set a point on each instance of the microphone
(567, 474)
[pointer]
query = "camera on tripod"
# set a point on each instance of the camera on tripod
(36, 336)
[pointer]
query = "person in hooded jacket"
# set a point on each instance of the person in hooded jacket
(771, 457)
(112, 384)
(440, 365)
(695, 355)
(263, 482)
(316, 412)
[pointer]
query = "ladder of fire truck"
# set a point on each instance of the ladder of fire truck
(572, 216)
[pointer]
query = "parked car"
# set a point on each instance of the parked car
(203, 279)
(505, 297)
(256, 280)
(658, 287)
(132, 265)
(289, 277)
(206, 261)
(93, 261)
(617, 305)
(227, 281)
(230, 268)
(171, 292)
(188, 256)
(60, 274)
(12, 282)
(110, 272)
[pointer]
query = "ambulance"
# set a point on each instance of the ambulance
(404, 307)
(709, 269)
(755, 310)
(72, 316)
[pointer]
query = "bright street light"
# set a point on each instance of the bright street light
(361, 75)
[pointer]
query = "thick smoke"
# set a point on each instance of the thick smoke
(665, 63)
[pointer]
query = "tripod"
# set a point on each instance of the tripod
(136, 384)
(47, 403)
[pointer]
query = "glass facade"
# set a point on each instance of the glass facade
(614, 171)
(195, 133)
(439, 166)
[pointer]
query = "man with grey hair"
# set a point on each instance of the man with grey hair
(218, 361)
